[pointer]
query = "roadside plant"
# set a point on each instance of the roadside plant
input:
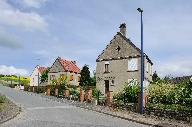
(128, 94)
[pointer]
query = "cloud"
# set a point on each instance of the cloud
(11, 70)
(9, 41)
(180, 66)
(14, 17)
(34, 3)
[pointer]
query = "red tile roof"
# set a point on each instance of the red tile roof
(42, 69)
(69, 65)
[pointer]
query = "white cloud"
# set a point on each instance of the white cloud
(14, 17)
(180, 66)
(11, 70)
(34, 3)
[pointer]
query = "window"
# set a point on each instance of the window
(79, 77)
(151, 71)
(112, 83)
(71, 77)
(52, 77)
(132, 64)
(132, 82)
(147, 67)
(106, 66)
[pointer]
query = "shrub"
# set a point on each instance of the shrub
(2, 99)
(26, 87)
(128, 95)
(96, 93)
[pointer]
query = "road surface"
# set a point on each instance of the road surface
(41, 112)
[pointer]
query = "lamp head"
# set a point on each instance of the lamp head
(140, 10)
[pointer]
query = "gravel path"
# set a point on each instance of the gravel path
(38, 111)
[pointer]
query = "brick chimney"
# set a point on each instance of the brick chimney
(123, 29)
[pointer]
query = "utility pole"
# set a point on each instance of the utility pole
(142, 61)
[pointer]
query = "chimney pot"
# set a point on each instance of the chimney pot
(123, 29)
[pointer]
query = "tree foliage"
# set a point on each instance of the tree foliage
(155, 77)
(44, 76)
(85, 76)
(93, 79)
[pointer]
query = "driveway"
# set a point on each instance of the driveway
(41, 112)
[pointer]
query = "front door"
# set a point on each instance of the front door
(106, 86)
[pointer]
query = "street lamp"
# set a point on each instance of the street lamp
(142, 60)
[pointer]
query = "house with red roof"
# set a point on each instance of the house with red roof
(36, 74)
(64, 68)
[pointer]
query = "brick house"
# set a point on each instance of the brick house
(120, 63)
(34, 76)
(65, 68)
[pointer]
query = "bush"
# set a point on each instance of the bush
(74, 92)
(2, 99)
(26, 87)
(96, 93)
(41, 89)
(128, 95)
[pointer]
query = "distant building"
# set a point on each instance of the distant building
(120, 63)
(178, 80)
(34, 76)
(64, 68)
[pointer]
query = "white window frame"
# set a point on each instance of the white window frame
(131, 61)
(106, 63)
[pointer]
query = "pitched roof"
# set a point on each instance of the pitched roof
(41, 69)
(128, 41)
(69, 65)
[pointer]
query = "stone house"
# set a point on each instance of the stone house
(120, 63)
(64, 68)
(36, 74)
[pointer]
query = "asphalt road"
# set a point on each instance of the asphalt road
(41, 112)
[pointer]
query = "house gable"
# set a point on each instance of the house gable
(56, 67)
(119, 47)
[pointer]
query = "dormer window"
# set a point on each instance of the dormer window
(106, 67)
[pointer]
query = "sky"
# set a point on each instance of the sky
(36, 32)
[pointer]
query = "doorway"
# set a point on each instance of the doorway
(106, 86)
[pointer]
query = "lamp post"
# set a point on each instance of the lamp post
(142, 61)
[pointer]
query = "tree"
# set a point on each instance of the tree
(85, 76)
(44, 76)
(93, 79)
(155, 77)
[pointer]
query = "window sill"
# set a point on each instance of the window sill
(132, 70)
(106, 72)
